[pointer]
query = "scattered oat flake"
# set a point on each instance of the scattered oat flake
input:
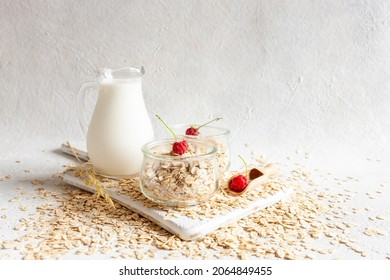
(243, 256)
(280, 254)
(380, 232)
(37, 182)
(371, 232)
(77, 222)
(6, 177)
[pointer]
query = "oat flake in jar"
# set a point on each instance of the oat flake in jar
(173, 180)
(213, 135)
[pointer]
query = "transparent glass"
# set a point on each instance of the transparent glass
(213, 135)
(173, 180)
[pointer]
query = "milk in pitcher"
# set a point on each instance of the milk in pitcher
(119, 127)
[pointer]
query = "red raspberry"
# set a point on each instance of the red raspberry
(180, 147)
(238, 183)
(193, 131)
(186, 144)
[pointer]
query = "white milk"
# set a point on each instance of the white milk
(119, 127)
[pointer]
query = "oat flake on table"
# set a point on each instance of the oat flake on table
(74, 222)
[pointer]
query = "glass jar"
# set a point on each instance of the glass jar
(173, 180)
(213, 135)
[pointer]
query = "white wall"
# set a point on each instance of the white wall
(281, 73)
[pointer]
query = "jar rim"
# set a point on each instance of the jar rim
(148, 146)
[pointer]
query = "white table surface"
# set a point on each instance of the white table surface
(43, 160)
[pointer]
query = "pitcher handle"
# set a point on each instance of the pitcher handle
(80, 104)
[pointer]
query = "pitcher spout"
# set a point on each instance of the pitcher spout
(121, 73)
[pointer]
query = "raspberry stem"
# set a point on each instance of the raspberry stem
(246, 167)
(214, 120)
(174, 135)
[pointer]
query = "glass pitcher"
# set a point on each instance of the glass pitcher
(120, 123)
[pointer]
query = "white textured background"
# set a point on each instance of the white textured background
(283, 74)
